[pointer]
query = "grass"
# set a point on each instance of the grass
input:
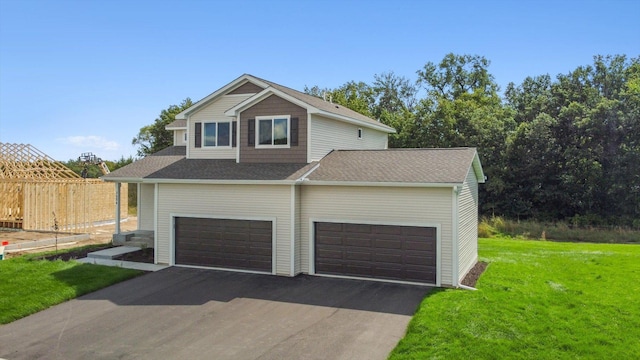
(536, 300)
(30, 285)
(558, 231)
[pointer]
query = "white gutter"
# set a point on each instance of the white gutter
(383, 184)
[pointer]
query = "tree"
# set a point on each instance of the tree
(153, 138)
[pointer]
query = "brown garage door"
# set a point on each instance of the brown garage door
(224, 243)
(376, 251)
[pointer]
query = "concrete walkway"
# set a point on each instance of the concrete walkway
(181, 313)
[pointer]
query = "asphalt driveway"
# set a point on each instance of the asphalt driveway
(181, 313)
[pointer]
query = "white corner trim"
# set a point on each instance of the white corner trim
(454, 234)
(156, 192)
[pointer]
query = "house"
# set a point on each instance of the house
(264, 178)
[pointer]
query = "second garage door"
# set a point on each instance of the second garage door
(376, 251)
(224, 243)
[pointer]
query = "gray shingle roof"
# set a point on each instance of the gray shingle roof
(149, 164)
(431, 166)
(177, 124)
(323, 105)
(217, 169)
(171, 163)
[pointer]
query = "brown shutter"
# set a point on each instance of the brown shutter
(198, 135)
(233, 133)
(294, 131)
(252, 132)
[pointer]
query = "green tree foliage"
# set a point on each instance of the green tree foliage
(153, 138)
(564, 148)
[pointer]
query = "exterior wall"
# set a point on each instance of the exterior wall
(274, 105)
(178, 137)
(246, 88)
(382, 204)
(226, 200)
(213, 112)
(328, 135)
(146, 207)
(468, 225)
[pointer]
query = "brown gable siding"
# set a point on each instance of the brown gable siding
(274, 105)
(246, 88)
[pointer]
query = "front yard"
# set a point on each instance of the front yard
(536, 300)
(28, 285)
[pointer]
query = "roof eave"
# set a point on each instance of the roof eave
(218, 182)
(381, 127)
(381, 184)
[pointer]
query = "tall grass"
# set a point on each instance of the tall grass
(556, 231)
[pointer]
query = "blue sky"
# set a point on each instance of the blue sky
(86, 75)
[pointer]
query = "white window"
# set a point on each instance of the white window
(216, 134)
(273, 131)
(359, 134)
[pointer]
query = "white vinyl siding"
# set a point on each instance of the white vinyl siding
(328, 135)
(210, 113)
(145, 207)
(380, 204)
(178, 137)
(468, 225)
(219, 201)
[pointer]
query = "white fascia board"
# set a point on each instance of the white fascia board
(263, 95)
(380, 184)
(124, 180)
(175, 128)
(219, 182)
(215, 94)
(477, 168)
(380, 127)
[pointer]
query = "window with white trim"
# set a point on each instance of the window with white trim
(273, 131)
(216, 134)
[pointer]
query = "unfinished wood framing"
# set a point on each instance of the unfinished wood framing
(36, 192)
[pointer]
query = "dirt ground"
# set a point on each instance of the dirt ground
(98, 235)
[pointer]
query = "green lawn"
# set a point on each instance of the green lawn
(536, 300)
(28, 286)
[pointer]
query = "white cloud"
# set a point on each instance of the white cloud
(90, 141)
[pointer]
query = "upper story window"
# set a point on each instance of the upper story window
(273, 131)
(216, 134)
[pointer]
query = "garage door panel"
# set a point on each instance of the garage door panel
(387, 243)
(376, 251)
(420, 244)
(358, 255)
(388, 230)
(224, 243)
(357, 228)
(358, 241)
(387, 258)
(330, 254)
